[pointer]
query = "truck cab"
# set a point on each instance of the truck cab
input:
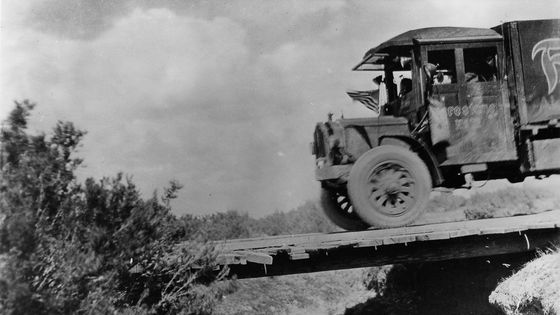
(456, 103)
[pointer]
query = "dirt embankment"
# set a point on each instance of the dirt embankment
(447, 287)
(535, 289)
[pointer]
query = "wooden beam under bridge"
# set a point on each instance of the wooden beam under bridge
(282, 255)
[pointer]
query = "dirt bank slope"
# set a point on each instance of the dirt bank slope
(535, 289)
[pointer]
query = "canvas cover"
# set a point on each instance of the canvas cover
(538, 45)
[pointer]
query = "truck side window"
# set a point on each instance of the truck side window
(445, 62)
(480, 64)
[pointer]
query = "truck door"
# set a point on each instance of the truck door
(468, 84)
(443, 97)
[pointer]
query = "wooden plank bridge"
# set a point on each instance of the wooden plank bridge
(291, 254)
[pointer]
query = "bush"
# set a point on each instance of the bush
(92, 247)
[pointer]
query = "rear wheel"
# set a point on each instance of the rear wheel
(389, 186)
(338, 208)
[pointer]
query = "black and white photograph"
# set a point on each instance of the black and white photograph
(337, 157)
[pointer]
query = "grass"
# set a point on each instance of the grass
(535, 289)
(330, 292)
(509, 202)
(506, 202)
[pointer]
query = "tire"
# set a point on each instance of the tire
(337, 207)
(389, 186)
(396, 142)
(515, 178)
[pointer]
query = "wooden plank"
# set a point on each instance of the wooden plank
(337, 244)
(501, 230)
(456, 240)
(445, 249)
(369, 243)
(230, 259)
(299, 256)
(255, 257)
(400, 239)
(280, 240)
(295, 250)
(459, 233)
(433, 236)
(544, 225)
(372, 238)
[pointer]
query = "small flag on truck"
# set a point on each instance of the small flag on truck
(369, 98)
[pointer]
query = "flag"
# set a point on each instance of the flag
(369, 98)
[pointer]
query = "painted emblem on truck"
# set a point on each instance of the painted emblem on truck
(550, 59)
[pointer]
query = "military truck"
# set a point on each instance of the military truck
(456, 105)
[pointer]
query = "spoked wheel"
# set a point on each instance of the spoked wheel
(339, 210)
(389, 186)
(391, 189)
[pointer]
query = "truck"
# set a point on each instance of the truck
(456, 105)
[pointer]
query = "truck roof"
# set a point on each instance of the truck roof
(427, 35)
(437, 34)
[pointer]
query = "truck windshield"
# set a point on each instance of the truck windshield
(397, 84)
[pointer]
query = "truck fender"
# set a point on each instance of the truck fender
(421, 149)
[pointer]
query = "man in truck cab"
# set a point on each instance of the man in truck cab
(480, 65)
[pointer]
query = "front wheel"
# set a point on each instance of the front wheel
(389, 186)
(337, 207)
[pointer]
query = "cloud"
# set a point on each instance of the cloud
(167, 96)
(222, 97)
(77, 19)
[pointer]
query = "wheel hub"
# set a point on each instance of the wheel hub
(391, 189)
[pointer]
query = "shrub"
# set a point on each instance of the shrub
(92, 247)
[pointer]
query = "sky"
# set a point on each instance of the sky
(222, 96)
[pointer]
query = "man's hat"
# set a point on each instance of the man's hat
(430, 69)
